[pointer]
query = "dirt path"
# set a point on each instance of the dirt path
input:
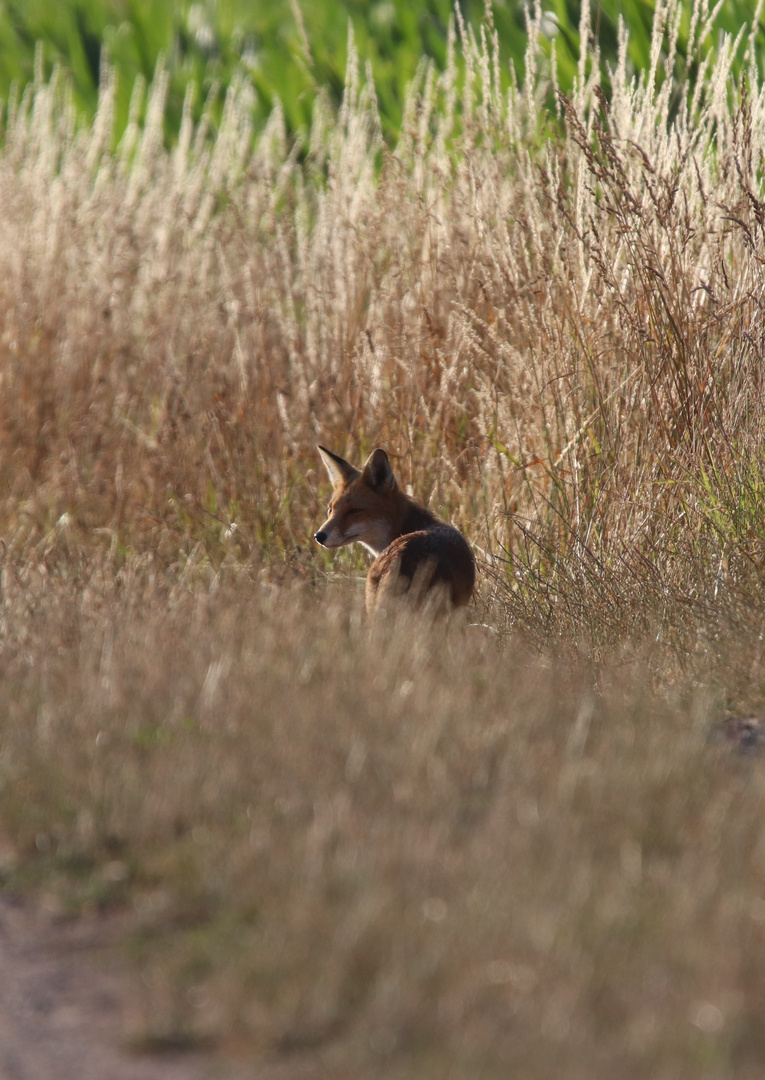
(62, 1006)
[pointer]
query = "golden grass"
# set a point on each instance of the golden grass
(402, 849)
(557, 337)
(397, 849)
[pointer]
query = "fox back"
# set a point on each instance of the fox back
(416, 554)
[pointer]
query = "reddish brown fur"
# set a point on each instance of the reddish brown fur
(416, 554)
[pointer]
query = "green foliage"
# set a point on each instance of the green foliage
(289, 50)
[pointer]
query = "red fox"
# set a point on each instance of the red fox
(415, 553)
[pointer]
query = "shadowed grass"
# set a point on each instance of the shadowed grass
(395, 846)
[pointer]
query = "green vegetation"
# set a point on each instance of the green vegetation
(534, 846)
(291, 50)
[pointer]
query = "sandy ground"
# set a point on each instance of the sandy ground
(63, 997)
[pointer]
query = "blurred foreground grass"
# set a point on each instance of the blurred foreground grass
(398, 850)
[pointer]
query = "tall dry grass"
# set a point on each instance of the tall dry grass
(552, 320)
(397, 850)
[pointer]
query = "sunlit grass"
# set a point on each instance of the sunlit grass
(471, 850)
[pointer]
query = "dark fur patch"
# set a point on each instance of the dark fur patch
(427, 558)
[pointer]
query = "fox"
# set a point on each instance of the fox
(416, 555)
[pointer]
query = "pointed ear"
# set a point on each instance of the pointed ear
(338, 469)
(377, 471)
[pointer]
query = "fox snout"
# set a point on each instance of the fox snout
(330, 535)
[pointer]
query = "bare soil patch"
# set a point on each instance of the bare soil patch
(64, 1000)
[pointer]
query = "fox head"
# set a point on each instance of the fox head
(366, 504)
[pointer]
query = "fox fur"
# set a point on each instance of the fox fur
(416, 554)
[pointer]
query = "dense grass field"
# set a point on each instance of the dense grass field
(529, 843)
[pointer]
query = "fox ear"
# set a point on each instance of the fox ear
(338, 469)
(378, 472)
